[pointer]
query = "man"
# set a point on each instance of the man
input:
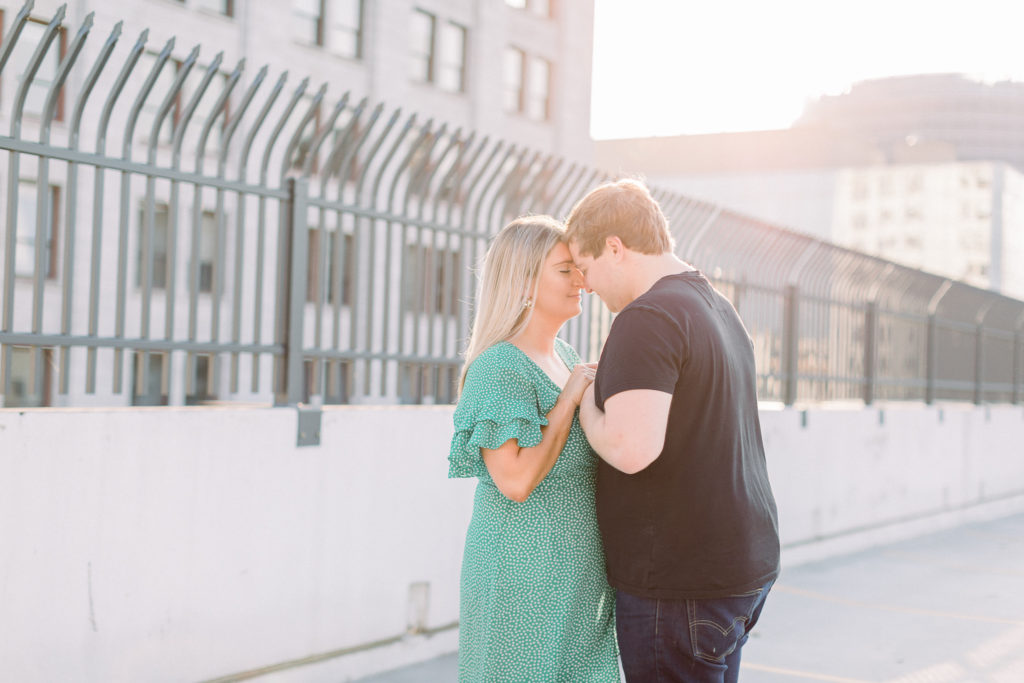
(683, 501)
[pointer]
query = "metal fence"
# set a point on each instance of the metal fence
(210, 236)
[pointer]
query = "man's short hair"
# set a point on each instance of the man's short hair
(624, 208)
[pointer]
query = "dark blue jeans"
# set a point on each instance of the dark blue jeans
(685, 641)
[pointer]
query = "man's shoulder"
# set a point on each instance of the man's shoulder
(652, 309)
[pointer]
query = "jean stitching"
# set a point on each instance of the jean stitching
(657, 620)
(694, 622)
(691, 613)
(718, 628)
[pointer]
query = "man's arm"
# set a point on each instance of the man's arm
(630, 434)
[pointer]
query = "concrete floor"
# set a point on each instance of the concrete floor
(942, 608)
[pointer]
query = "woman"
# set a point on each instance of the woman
(535, 603)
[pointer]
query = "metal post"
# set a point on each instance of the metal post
(931, 356)
(738, 292)
(291, 295)
(790, 343)
(1018, 346)
(870, 351)
(979, 365)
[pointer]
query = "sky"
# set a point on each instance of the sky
(672, 67)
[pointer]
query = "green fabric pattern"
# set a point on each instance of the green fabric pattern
(535, 603)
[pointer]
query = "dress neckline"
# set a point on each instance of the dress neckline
(539, 368)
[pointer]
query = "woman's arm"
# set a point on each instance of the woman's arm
(517, 471)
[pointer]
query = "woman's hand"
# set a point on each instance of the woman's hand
(518, 471)
(582, 376)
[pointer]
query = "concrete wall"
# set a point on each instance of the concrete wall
(186, 544)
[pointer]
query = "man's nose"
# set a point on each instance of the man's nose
(579, 281)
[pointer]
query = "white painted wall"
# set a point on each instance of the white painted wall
(176, 544)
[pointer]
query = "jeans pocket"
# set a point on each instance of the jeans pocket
(719, 625)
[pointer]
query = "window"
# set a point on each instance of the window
(515, 68)
(332, 382)
(334, 24)
(201, 388)
(307, 21)
(432, 279)
(542, 8)
(29, 385)
(315, 279)
(421, 53)
(225, 7)
(153, 393)
(207, 246)
(538, 106)
(451, 74)
(45, 75)
(26, 238)
(345, 37)
(437, 52)
(207, 250)
(158, 241)
(527, 85)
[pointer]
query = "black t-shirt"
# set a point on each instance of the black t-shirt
(700, 521)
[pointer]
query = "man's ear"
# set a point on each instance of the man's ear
(615, 245)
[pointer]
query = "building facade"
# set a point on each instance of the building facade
(515, 69)
(962, 220)
(449, 73)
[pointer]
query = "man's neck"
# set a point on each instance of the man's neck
(652, 267)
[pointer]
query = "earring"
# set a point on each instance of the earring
(528, 303)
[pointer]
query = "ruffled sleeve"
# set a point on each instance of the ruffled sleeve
(498, 403)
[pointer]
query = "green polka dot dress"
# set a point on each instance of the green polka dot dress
(535, 603)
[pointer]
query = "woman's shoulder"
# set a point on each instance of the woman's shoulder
(499, 354)
(498, 359)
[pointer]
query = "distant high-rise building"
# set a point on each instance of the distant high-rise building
(981, 121)
(924, 170)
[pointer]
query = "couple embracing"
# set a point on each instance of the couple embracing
(624, 506)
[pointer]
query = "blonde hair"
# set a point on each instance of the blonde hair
(511, 271)
(624, 208)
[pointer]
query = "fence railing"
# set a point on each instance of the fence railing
(211, 236)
